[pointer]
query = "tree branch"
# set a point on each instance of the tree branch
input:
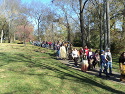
(84, 5)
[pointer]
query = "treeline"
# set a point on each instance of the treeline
(96, 23)
(14, 24)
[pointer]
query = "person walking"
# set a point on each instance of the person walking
(75, 56)
(122, 66)
(108, 57)
(84, 63)
(86, 50)
(103, 64)
(81, 51)
(96, 59)
(63, 54)
(90, 58)
(70, 52)
(57, 47)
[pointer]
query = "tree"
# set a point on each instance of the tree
(37, 11)
(3, 24)
(65, 8)
(11, 13)
(82, 6)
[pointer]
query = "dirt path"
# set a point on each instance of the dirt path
(114, 78)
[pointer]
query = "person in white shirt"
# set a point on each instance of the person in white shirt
(108, 57)
(75, 56)
(63, 54)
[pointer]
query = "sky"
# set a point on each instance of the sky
(47, 2)
(43, 1)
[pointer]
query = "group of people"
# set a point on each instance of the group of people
(88, 58)
(63, 49)
(106, 64)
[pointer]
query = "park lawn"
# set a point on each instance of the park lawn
(34, 70)
(115, 64)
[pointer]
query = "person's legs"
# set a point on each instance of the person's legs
(86, 67)
(121, 77)
(88, 64)
(81, 57)
(75, 61)
(105, 70)
(83, 67)
(99, 63)
(94, 63)
(110, 67)
(91, 63)
(100, 71)
(107, 67)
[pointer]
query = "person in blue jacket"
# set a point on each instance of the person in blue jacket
(103, 64)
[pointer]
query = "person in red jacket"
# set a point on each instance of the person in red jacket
(81, 51)
(86, 50)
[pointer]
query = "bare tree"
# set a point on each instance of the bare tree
(37, 11)
(82, 6)
(11, 12)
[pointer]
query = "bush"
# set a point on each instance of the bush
(117, 47)
(77, 43)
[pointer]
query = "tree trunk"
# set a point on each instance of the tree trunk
(83, 38)
(24, 40)
(39, 39)
(69, 33)
(2, 36)
(52, 33)
(101, 31)
(104, 25)
(123, 24)
(14, 37)
(9, 37)
(108, 23)
(88, 33)
(68, 28)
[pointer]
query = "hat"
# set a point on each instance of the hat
(107, 48)
(102, 50)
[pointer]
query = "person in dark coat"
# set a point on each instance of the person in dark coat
(103, 64)
(96, 58)
(90, 57)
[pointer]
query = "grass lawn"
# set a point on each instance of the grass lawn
(33, 70)
(115, 64)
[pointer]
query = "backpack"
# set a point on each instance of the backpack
(108, 57)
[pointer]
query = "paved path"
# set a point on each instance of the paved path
(113, 78)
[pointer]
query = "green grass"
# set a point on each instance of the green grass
(25, 70)
(115, 64)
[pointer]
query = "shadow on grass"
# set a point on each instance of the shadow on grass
(75, 77)
(69, 74)
(115, 77)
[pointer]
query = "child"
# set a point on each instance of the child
(84, 64)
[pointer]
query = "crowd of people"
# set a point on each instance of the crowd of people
(88, 58)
